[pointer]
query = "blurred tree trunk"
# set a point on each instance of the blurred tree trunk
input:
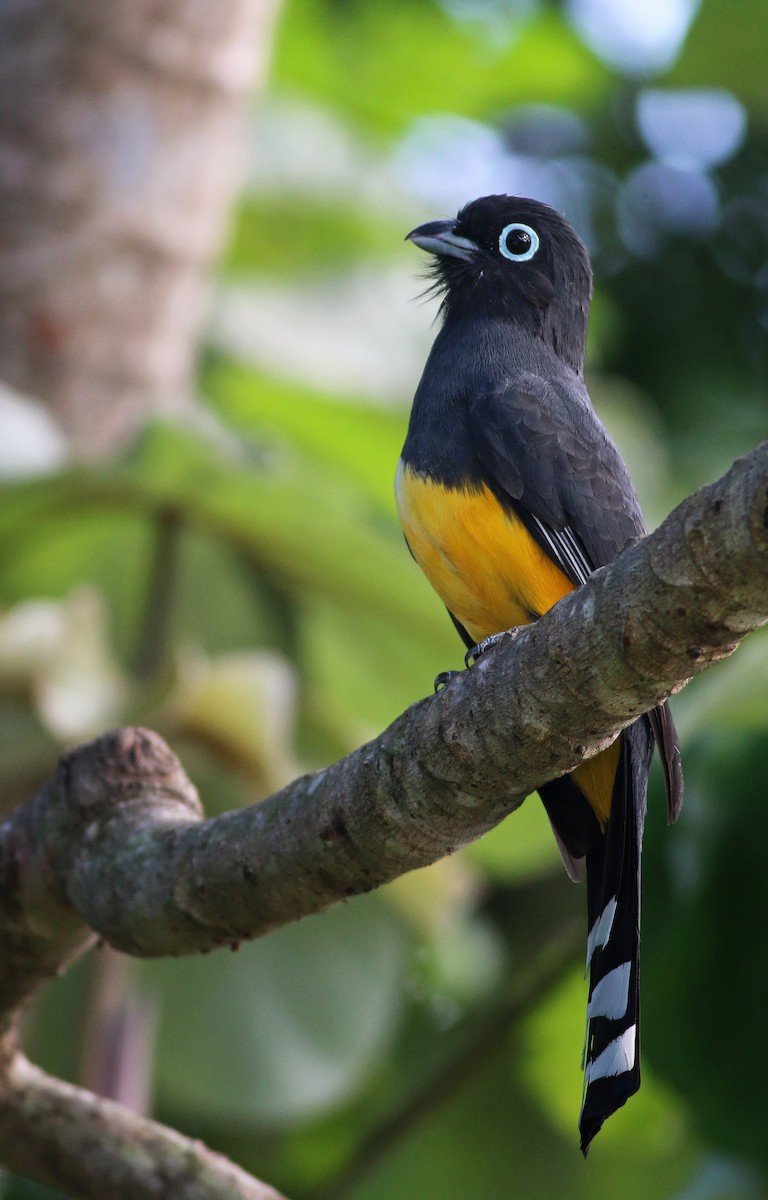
(120, 131)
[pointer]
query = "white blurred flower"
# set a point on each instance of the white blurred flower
(31, 443)
(59, 649)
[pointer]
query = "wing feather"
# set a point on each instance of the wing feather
(552, 461)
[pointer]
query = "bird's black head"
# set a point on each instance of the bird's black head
(509, 257)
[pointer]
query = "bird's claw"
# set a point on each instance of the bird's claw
(475, 652)
(472, 655)
(444, 678)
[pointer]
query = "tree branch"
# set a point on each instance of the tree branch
(120, 809)
(70, 1139)
(115, 843)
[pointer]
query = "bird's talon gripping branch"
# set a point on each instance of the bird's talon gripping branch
(444, 678)
(476, 652)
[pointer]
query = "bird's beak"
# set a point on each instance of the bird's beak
(440, 237)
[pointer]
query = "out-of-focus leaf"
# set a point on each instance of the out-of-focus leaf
(551, 1048)
(13, 1187)
(722, 51)
(650, 1132)
(362, 442)
(49, 1034)
(520, 848)
(224, 604)
(301, 524)
(50, 545)
(706, 999)
(481, 1140)
(717, 1177)
(460, 963)
(286, 1026)
(290, 235)
(350, 58)
(436, 896)
(27, 752)
(364, 670)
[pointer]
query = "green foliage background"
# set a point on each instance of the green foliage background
(242, 586)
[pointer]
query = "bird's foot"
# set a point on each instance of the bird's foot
(444, 678)
(476, 652)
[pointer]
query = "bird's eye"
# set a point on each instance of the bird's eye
(518, 242)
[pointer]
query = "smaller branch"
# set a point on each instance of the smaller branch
(117, 1039)
(71, 1140)
(152, 650)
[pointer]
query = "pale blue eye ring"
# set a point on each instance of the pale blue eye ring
(518, 242)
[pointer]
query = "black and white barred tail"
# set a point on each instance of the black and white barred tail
(612, 1050)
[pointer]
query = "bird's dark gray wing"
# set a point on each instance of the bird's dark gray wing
(546, 453)
(548, 456)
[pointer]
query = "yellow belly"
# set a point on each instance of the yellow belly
(491, 574)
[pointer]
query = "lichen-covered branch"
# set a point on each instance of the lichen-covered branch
(115, 844)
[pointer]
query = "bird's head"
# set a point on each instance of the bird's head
(515, 258)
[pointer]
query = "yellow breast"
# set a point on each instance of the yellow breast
(479, 558)
(491, 574)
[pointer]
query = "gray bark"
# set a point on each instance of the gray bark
(121, 810)
(451, 767)
(93, 1148)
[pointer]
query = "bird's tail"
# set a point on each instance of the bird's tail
(612, 1049)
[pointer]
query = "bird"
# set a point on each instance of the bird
(510, 494)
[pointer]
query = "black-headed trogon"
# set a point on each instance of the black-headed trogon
(511, 493)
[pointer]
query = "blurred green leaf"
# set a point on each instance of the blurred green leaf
(365, 671)
(363, 443)
(480, 1141)
(52, 1033)
(461, 963)
(52, 542)
(491, 1139)
(285, 1027)
(705, 1000)
(520, 848)
(347, 56)
(298, 236)
(721, 51)
(297, 521)
(646, 1147)
(13, 1187)
(437, 896)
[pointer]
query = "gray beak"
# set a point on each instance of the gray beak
(440, 237)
